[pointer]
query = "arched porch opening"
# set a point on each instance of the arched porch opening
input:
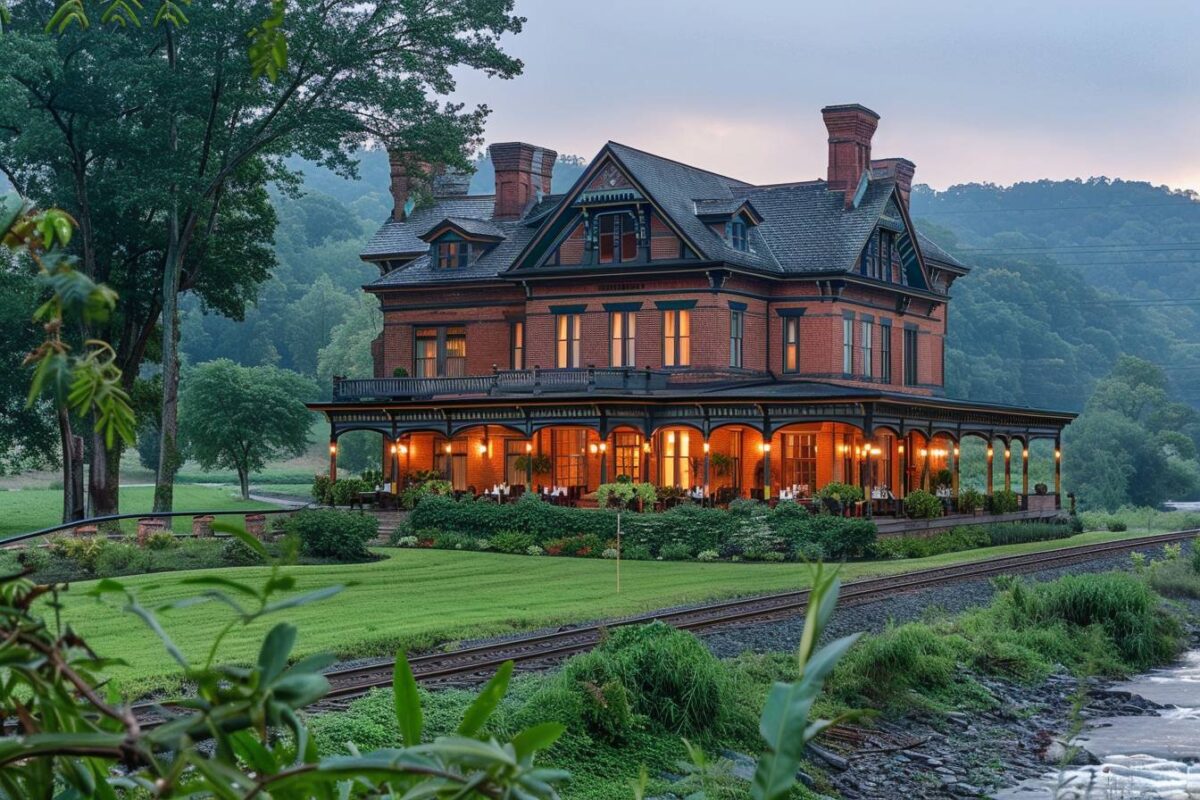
(356, 451)
(972, 471)
(735, 462)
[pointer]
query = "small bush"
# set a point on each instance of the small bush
(969, 501)
(1117, 526)
(122, 559)
(406, 541)
(455, 541)
(707, 555)
(321, 486)
(236, 554)
(161, 540)
(1004, 501)
(883, 668)
(676, 552)
(534, 550)
(327, 533)
(922, 505)
(1020, 532)
(610, 553)
(512, 542)
(343, 491)
(84, 552)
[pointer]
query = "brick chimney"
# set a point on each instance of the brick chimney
(901, 170)
(850, 130)
(408, 175)
(522, 172)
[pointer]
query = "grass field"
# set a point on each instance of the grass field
(417, 599)
(33, 509)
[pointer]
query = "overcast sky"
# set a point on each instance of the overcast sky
(970, 91)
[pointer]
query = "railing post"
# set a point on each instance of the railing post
(537, 379)
(591, 377)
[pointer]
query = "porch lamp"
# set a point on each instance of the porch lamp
(901, 449)
(482, 448)
(1058, 455)
(876, 451)
(332, 449)
(593, 449)
(529, 447)
(1007, 454)
(706, 447)
(448, 448)
(646, 447)
(403, 449)
(1025, 453)
(395, 449)
(767, 447)
(956, 451)
(989, 451)
(604, 447)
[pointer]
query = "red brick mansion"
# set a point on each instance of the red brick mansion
(673, 325)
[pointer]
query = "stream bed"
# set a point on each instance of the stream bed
(1149, 757)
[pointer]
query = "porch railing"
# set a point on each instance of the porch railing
(517, 381)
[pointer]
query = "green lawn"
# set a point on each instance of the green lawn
(33, 509)
(416, 599)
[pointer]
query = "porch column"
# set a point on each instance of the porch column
(766, 467)
(332, 459)
(529, 466)
(1008, 466)
(1025, 469)
(1058, 471)
(604, 461)
(868, 477)
(954, 473)
(903, 467)
(707, 461)
(646, 447)
(394, 470)
(991, 470)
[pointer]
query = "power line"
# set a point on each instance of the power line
(1182, 203)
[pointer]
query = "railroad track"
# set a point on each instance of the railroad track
(475, 664)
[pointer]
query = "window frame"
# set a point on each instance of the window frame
(912, 357)
(885, 351)
(799, 460)
(620, 236)
(737, 334)
(444, 363)
(516, 338)
(739, 235)
(677, 345)
(461, 254)
(567, 328)
(622, 338)
(791, 345)
(848, 344)
(867, 346)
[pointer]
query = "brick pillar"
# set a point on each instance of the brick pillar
(84, 531)
(1058, 471)
(1008, 466)
(333, 459)
(991, 468)
(147, 527)
(1025, 469)
(256, 525)
(202, 526)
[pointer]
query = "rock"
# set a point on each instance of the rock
(832, 759)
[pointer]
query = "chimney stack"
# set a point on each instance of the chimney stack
(408, 176)
(850, 130)
(901, 170)
(523, 173)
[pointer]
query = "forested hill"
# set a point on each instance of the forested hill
(1068, 275)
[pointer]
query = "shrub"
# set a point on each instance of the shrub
(343, 491)
(534, 550)
(969, 501)
(1116, 526)
(161, 540)
(512, 542)
(321, 486)
(603, 699)
(922, 505)
(835, 538)
(844, 493)
(635, 552)
(583, 545)
(1019, 532)
(1005, 501)
(83, 552)
(122, 559)
(671, 677)
(406, 541)
(454, 541)
(882, 668)
(414, 493)
(625, 494)
(1196, 556)
(236, 554)
(951, 541)
(328, 533)
(676, 552)
(707, 555)
(610, 553)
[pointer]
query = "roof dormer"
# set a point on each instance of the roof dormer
(455, 242)
(729, 218)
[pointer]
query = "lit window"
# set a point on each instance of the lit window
(440, 352)
(677, 338)
(452, 255)
(791, 344)
(518, 345)
(624, 338)
(567, 351)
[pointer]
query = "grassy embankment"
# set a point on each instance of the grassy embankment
(415, 599)
(629, 703)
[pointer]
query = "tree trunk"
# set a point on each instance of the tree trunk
(244, 480)
(104, 482)
(70, 467)
(168, 451)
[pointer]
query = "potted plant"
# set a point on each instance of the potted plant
(943, 479)
(1040, 488)
(722, 464)
(538, 464)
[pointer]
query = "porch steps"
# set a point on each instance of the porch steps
(388, 521)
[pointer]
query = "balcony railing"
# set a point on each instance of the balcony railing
(506, 381)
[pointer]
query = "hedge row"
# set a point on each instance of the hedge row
(970, 537)
(747, 530)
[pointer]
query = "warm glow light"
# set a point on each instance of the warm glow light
(394, 449)
(529, 447)
(482, 448)
(332, 449)
(593, 449)
(989, 452)
(767, 447)
(403, 449)
(604, 447)
(876, 451)
(1025, 453)
(1007, 453)
(1057, 454)
(706, 448)
(901, 449)
(956, 452)
(924, 452)
(645, 447)
(448, 447)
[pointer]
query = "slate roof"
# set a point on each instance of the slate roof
(468, 225)
(805, 228)
(934, 252)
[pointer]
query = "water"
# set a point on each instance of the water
(1142, 758)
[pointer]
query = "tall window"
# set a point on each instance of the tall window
(910, 356)
(737, 235)
(848, 345)
(618, 238)
(877, 256)
(677, 337)
(676, 458)
(737, 325)
(622, 349)
(627, 455)
(452, 255)
(514, 472)
(518, 344)
(868, 344)
(440, 352)
(570, 462)
(567, 352)
(453, 464)
(791, 344)
(881, 465)
(885, 351)
(800, 461)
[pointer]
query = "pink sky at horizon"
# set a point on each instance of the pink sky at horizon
(1059, 90)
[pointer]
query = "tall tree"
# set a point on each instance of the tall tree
(240, 418)
(159, 138)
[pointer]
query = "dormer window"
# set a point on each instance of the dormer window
(617, 238)
(453, 255)
(737, 235)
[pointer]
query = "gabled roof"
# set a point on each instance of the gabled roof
(466, 226)
(934, 252)
(805, 228)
